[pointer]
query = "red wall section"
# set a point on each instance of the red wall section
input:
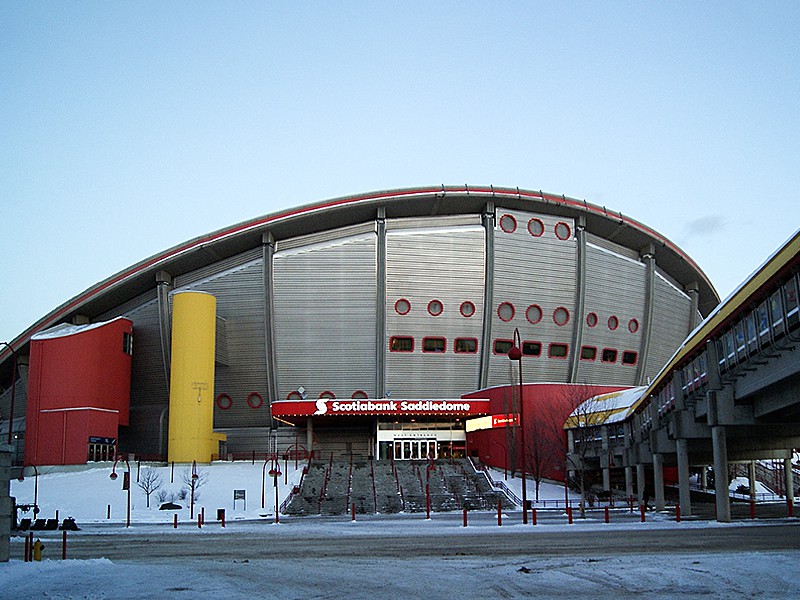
(546, 407)
(79, 386)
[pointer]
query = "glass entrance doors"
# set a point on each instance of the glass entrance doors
(415, 449)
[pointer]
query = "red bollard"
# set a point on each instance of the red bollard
(199, 521)
(608, 518)
(465, 517)
(678, 513)
(223, 518)
(790, 505)
(64, 545)
(427, 502)
(353, 511)
(27, 549)
(752, 509)
(175, 520)
(108, 512)
(642, 509)
(533, 516)
(630, 501)
(569, 515)
(499, 513)
(203, 515)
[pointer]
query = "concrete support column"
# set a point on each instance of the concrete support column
(704, 477)
(606, 478)
(684, 491)
(720, 448)
(640, 482)
(789, 477)
(628, 481)
(751, 478)
(658, 481)
(310, 434)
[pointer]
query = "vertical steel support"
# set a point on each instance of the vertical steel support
(380, 304)
(648, 255)
(580, 298)
(267, 254)
(488, 295)
(163, 288)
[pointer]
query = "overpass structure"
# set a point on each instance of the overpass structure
(730, 393)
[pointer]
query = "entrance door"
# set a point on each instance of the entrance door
(414, 449)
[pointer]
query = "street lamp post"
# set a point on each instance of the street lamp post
(35, 487)
(276, 472)
(515, 353)
(126, 485)
(13, 389)
(195, 476)
(263, 477)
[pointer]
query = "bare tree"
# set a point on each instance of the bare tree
(583, 425)
(149, 481)
(545, 440)
(194, 483)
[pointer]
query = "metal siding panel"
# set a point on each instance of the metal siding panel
(534, 270)
(239, 291)
(324, 237)
(671, 317)
(446, 264)
(615, 285)
(325, 298)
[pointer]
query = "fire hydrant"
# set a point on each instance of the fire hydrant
(37, 550)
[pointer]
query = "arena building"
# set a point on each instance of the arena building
(375, 325)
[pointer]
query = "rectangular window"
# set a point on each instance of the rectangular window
(588, 353)
(465, 345)
(127, 343)
(609, 355)
(531, 348)
(557, 350)
(629, 357)
(433, 344)
(502, 346)
(399, 343)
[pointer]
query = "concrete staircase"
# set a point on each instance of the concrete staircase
(332, 487)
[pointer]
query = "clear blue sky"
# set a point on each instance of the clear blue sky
(126, 128)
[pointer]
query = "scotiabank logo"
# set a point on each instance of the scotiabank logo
(322, 407)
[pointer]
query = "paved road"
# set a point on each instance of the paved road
(297, 540)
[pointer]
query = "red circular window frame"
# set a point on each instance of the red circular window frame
(398, 311)
(541, 314)
(294, 395)
(250, 397)
(221, 404)
(441, 307)
(513, 312)
(613, 322)
(541, 223)
(569, 231)
(327, 395)
(566, 310)
(359, 395)
(633, 325)
(513, 219)
(592, 319)
(471, 305)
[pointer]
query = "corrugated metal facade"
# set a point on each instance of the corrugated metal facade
(615, 287)
(325, 307)
(533, 270)
(671, 318)
(429, 262)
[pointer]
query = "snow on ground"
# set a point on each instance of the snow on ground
(86, 494)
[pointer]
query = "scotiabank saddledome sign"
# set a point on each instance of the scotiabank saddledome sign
(332, 407)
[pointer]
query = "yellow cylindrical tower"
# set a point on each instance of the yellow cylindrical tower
(191, 386)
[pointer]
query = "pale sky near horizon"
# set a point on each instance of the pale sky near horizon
(128, 128)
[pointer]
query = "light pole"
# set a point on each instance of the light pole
(126, 485)
(515, 353)
(276, 472)
(263, 477)
(35, 487)
(195, 476)
(13, 389)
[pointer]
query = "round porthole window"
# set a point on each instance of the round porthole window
(536, 227)
(613, 322)
(435, 307)
(508, 223)
(633, 325)
(224, 401)
(254, 400)
(505, 311)
(563, 231)
(402, 306)
(534, 313)
(561, 316)
(591, 319)
(467, 309)
(359, 395)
